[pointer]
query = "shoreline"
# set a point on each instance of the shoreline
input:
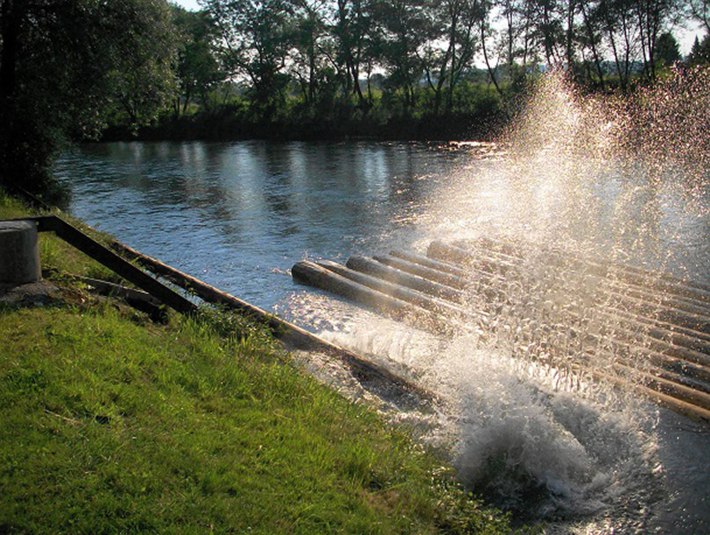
(115, 422)
(221, 127)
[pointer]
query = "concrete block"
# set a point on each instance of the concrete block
(19, 252)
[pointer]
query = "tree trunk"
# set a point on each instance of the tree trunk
(491, 72)
(595, 54)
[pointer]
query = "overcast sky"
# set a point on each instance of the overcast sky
(685, 36)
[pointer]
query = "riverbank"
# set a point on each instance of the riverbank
(233, 124)
(112, 423)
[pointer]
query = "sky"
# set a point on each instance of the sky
(187, 4)
(685, 36)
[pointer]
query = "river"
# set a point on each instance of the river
(239, 215)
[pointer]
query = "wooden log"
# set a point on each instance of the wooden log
(685, 318)
(501, 262)
(658, 359)
(436, 306)
(690, 410)
(669, 301)
(690, 382)
(667, 387)
(663, 386)
(680, 345)
(444, 267)
(659, 350)
(659, 339)
(111, 260)
(396, 276)
(432, 274)
(626, 377)
(483, 282)
(612, 349)
(314, 275)
(679, 339)
(674, 364)
(656, 352)
(448, 253)
(662, 330)
(654, 339)
(292, 336)
(693, 290)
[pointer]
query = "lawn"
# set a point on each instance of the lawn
(113, 423)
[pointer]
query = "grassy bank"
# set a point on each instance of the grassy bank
(56, 254)
(112, 423)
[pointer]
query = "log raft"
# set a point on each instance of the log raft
(651, 330)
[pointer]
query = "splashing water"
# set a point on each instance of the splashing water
(592, 173)
(575, 176)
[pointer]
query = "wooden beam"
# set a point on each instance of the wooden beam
(292, 336)
(428, 273)
(427, 302)
(90, 247)
(634, 275)
(396, 276)
(697, 319)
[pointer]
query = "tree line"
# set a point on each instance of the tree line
(416, 54)
(79, 69)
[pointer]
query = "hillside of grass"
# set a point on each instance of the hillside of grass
(114, 424)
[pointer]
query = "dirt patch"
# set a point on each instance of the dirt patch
(41, 293)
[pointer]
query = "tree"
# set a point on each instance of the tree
(700, 11)
(700, 52)
(616, 18)
(356, 36)
(256, 37)
(593, 38)
(65, 66)
(666, 51)
(403, 35)
(145, 42)
(462, 19)
(308, 62)
(198, 70)
(653, 16)
(485, 27)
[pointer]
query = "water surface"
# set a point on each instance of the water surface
(239, 215)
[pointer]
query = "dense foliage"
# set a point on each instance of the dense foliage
(305, 68)
(68, 67)
(418, 56)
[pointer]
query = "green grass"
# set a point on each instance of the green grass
(113, 424)
(110, 424)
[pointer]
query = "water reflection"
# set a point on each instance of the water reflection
(235, 212)
(240, 214)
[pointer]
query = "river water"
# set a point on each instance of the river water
(239, 215)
